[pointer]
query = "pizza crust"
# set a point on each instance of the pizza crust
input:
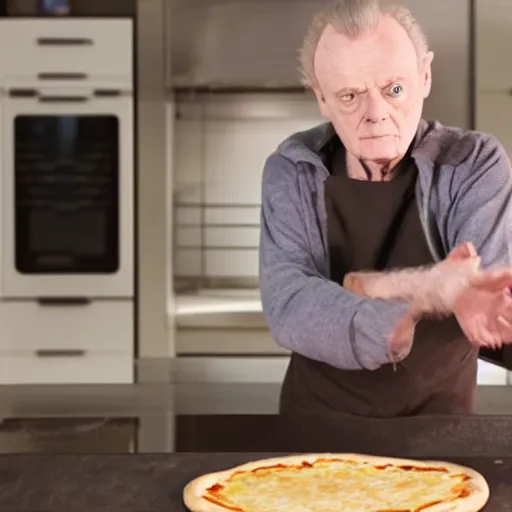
(192, 493)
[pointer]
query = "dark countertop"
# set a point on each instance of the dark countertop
(154, 482)
(208, 427)
(427, 436)
(144, 483)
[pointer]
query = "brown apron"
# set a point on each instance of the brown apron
(376, 226)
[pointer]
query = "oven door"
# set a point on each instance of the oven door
(67, 190)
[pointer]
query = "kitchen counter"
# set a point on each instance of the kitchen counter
(156, 418)
(218, 301)
(143, 483)
(210, 308)
(139, 400)
(219, 322)
(435, 436)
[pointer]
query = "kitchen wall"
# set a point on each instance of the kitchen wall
(222, 139)
(221, 143)
(493, 84)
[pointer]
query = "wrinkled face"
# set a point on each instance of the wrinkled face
(372, 89)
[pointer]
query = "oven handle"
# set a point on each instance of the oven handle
(64, 41)
(64, 301)
(99, 93)
(24, 93)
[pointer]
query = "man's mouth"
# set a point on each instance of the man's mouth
(377, 136)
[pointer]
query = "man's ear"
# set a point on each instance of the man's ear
(427, 74)
(320, 98)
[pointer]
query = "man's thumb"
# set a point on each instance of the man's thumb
(462, 251)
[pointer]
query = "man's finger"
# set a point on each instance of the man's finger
(504, 322)
(354, 283)
(486, 338)
(462, 252)
(494, 280)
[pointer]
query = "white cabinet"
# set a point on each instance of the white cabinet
(81, 49)
(92, 369)
(66, 343)
(100, 327)
(73, 325)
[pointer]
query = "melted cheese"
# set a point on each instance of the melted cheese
(337, 486)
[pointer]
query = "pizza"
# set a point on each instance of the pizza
(339, 483)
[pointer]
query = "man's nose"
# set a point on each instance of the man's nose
(376, 109)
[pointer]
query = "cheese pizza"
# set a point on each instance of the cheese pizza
(339, 483)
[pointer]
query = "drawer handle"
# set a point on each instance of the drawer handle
(60, 353)
(108, 93)
(64, 301)
(62, 76)
(63, 99)
(64, 41)
(22, 93)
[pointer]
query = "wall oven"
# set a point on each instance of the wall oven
(67, 202)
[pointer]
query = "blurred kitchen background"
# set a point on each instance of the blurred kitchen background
(232, 95)
(175, 105)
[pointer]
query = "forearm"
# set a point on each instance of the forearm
(305, 311)
(430, 290)
(320, 320)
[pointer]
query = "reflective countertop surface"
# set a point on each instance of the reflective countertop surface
(175, 417)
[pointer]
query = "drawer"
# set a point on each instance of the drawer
(95, 48)
(89, 369)
(99, 327)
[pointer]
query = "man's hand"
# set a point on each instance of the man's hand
(484, 309)
(431, 290)
(480, 300)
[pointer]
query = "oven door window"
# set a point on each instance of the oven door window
(66, 175)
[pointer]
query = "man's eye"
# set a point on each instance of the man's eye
(347, 98)
(395, 90)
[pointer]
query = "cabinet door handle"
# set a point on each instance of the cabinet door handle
(64, 41)
(60, 353)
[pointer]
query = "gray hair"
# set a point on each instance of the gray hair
(353, 18)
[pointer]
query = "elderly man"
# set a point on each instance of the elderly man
(385, 252)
